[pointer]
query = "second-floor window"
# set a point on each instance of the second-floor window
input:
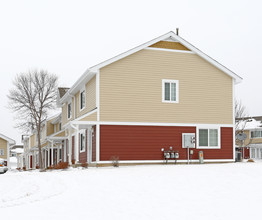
(82, 99)
(170, 91)
(60, 126)
(256, 134)
(69, 110)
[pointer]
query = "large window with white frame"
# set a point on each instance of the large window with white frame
(2, 152)
(256, 134)
(170, 91)
(69, 110)
(82, 141)
(82, 99)
(209, 138)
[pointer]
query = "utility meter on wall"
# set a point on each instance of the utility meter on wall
(188, 140)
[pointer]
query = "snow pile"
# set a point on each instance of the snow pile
(137, 192)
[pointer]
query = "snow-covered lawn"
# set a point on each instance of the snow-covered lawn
(214, 191)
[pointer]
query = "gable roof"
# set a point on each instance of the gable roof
(11, 141)
(89, 73)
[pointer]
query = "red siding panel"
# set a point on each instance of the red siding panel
(94, 144)
(145, 142)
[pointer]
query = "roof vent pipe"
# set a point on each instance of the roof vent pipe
(177, 30)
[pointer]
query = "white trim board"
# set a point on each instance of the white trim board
(169, 50)
(150, 124)
(169, 161)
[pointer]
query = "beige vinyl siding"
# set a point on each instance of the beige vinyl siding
(92, 117)
(90, 90)
(60, 134)
(32, 140)
(250, 140)
(49, 128)
(64, 113)
(3, 145)
(131, 89)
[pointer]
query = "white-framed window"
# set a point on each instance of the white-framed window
(170, 91)
(208, 137)
(252, 152)
(256, 134)
(69, 110)
(82, 141)
(82, 99)
(60, 126)
(2, 152)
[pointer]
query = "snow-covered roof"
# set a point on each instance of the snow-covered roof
(18, 150)
(250, 124)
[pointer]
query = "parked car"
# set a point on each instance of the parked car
(3, 166)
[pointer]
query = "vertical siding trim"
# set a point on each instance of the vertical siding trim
(234, 126)
(98, 94)
(98, 116)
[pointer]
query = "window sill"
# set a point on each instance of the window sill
(209, 147)
(170, 101)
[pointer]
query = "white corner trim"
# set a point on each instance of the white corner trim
(98, 94)
(169, 50)
(234, 123)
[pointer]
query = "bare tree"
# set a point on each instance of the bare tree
(33, 95)
(241, 116)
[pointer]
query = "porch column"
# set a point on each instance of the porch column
(48, 154)
(8, 156)
(77, 144)
(58, 153)
(52, 153)
(64, 144)
(70, 147)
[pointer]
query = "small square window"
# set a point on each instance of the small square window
(170, 91)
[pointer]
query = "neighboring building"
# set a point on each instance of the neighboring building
(252, 146)
(134, 104)
(5, 144)
(50, 145)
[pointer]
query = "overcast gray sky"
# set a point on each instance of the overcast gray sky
(67, 37)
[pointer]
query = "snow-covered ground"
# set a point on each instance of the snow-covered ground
(214, 191)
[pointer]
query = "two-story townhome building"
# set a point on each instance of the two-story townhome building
(151, 98)
(5, 144)
(51, 144)
(251, 147)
